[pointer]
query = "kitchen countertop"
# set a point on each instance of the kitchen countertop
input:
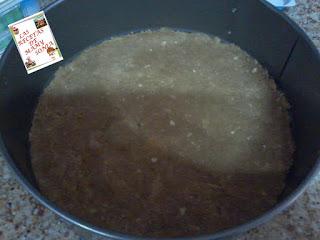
(21, 217)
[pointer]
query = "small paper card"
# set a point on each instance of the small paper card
(35, 42)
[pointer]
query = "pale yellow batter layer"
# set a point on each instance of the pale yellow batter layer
(162, 134)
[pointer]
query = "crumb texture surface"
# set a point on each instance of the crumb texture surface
(162, 134)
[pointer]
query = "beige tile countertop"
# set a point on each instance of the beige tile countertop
(22, 218)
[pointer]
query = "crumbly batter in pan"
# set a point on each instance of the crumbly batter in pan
(162, 134)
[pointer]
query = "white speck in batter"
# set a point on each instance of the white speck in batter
(194, 71)
(189, 134)
(235, 58)
(147, 66)
(154, 159)
(163, 43)
(172, 123)
(140, 85)
(254, 70)
(182, 211)
(232, 132)
(234, 10)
